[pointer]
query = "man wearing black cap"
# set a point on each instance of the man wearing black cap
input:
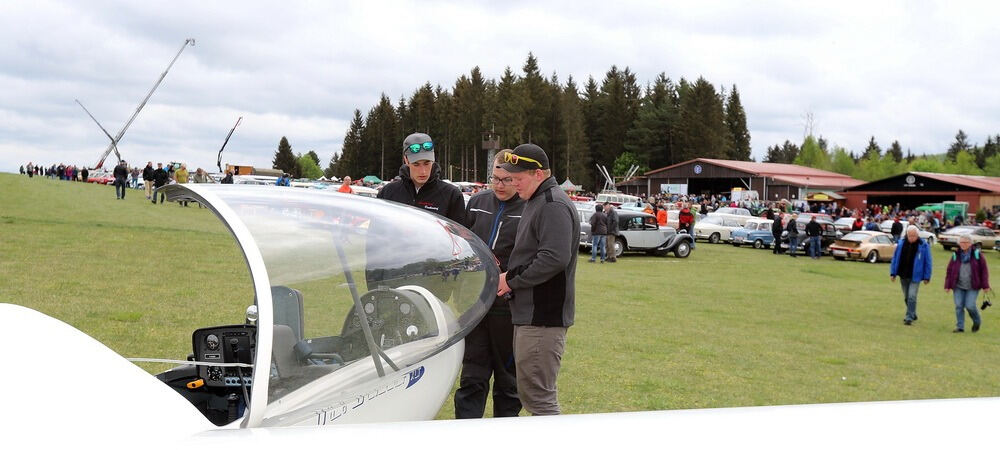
(419, 184)
(492, 215)
(541, 274)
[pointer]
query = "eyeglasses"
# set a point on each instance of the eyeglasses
(426, 146)
(501, 181)
(513, 159)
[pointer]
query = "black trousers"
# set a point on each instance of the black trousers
(120, 189)
(489, 351)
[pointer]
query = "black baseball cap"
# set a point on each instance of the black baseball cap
(525, 157)
(424, 151)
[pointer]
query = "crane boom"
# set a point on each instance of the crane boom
(113, 145)
(219, 161)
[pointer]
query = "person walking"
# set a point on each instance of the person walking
(181, 177)
(685, 222)
(147, 179)
(493, 215)
(598, 234)
(121, 175)
(160, 178)
(897, 229)
(612, 212)
(541, 275)
(966, 275)
(793, 234)
(814, 231)
(912, 264)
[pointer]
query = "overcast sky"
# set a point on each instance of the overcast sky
(911, 71)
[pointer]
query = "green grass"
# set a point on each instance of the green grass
(726, 327)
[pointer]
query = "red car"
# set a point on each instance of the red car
(101, 178)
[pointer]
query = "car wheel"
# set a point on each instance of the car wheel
(682, 250)
(619, 247)
(946, 247)
(714, 238)
(758, 244)
(872, 257)
(838, 258)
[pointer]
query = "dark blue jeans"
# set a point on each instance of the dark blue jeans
(120, 188)
(965, 300)
(910, 288)
(815, 248)
(793, 244)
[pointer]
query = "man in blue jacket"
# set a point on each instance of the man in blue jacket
(912, 264)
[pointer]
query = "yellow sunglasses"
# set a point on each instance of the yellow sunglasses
(513, 159)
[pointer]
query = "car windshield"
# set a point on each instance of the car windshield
(844, 221)
(857, 237)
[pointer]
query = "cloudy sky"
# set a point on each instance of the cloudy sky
(912, 71)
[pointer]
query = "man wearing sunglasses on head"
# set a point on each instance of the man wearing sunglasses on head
(492, 215)
(541, 274)
(419, 184)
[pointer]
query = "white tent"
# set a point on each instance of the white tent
(569, 186)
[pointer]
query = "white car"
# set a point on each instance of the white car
(741, 215)
(886, 227)
(716, 229)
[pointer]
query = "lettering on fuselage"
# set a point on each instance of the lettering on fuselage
(330, 414)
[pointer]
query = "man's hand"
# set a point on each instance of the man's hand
(892, 277)
(946, 290)
(927, 281)
(503, 288)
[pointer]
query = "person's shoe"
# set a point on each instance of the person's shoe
(907, 322)
(915, 317)
(975, 327)
(602, 261)
(590, 260)
(958, 330)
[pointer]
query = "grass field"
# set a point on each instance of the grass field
(725, 327)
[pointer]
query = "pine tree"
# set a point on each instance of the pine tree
(872, 149)
(590, 107)
(961, 144)
(537, 104)
(315, 157)
(350, 153)
(736, 121)
(701, 129)
(284, 159)
(895, 151)
(576, 149)
(333, 168)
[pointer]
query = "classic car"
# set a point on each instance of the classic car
(886, 227)
(830, 234)
(740, 215)
(982, 237)
(716, 228)
(638, 232)
(871, 246)
(756, 232)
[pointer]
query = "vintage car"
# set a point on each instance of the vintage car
(871, 246)
(756, 232)
(844, 224)
(886, 227)
(740, 215)
(829, 235)
(638, 232)
(716, 228)
(982, 237)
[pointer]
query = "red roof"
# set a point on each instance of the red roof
(789, 173)
(991, 184)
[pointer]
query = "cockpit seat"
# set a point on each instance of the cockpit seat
(288, 310)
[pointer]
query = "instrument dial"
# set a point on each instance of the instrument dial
(369, 308)
(212, 341)
(404, 308)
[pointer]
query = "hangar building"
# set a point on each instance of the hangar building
(772, 181)
(913, 189)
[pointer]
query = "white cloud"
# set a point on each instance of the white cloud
(916, 72)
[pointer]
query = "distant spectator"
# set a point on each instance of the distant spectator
(147, 179)
(160, 178)
(181, 176)
(228, 179)
(283, 180)
(346, 187)
(612, 212)
(814, 231)
(793, 234)
(598, 234)
(31, 170)
(121, 176)
(776, 229)
(897, 229)
(84, 174)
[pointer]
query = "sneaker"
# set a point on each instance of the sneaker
(907, 322)
(602, 261)
(590, 260)
(958, 330)
(975, 327)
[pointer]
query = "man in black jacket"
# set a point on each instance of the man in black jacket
(160, 179)
(776, 229)
(598, 234)
(612, 213)
(814, 231)
(419, 184)
(542, 276)
(493, 215)
(121, 175)
(793, 234)
(147, 179)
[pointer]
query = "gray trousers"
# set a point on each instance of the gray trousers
(537, 356)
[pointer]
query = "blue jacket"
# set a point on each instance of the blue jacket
(921, 262)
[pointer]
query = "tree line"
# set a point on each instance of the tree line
(614, 122)
(872, 163)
